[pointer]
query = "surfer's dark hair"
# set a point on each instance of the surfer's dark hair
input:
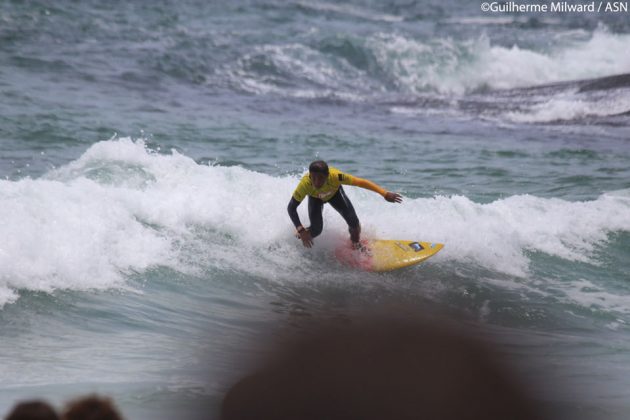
(319, 167)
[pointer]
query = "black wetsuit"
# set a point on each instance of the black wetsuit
(339, 201)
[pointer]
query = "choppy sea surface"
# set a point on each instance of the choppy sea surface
(148, 150)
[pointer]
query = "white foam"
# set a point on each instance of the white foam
(121, 209)
(456, 67)
(589, 295)
(443, 65)
(573, 106)
(496, 235)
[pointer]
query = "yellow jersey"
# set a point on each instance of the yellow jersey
(335, 179)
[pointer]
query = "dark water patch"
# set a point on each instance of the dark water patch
(144, 79)
(617, 120)
(489, 172)
(349, 49)
(606, 83)
(38, 64)
(578, 180)
(581, 154)
(613, 170)
(151, 109)
(185, 65)
(512, 154)
(583, 85)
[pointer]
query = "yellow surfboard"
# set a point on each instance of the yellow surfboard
(386, 255)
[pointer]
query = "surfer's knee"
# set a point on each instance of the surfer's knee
(351, 217)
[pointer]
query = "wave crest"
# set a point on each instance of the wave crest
(80, 229)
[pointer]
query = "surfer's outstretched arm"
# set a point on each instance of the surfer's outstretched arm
(392, 197)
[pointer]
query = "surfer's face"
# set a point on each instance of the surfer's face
(318, 179)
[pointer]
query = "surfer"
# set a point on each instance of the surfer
(323, 184)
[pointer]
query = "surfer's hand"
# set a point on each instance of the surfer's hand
(307, 239)
(393, 197)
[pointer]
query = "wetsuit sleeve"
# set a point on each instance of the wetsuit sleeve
(293, 214)
(364, 183)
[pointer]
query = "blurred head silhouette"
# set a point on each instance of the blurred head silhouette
(379, 370)
(91, 407)
(32, 410)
